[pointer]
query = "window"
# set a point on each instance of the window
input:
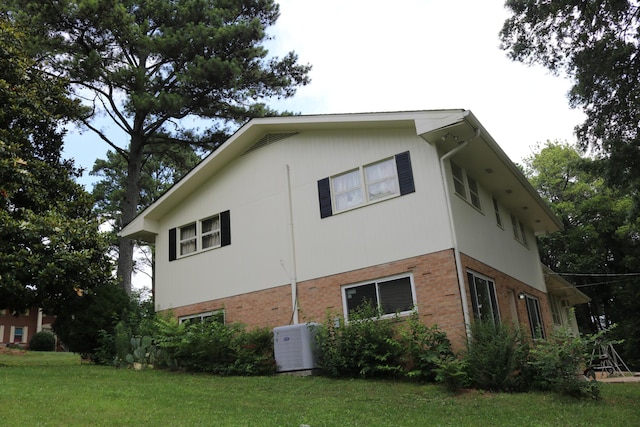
(211, 232)
(210, 316)
(555, 310)
(347, 190)
(367, 184)
(205, 234)
(461, 182)
(519, 231)
(188, 239)
(516, 230)
(496, 209)
(18, 334)
(380, 180)
(390, 296)
(523, 235)
(483, 297)
(535, 317)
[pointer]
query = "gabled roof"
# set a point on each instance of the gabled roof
(442, 128)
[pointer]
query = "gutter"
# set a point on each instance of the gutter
(452, 228)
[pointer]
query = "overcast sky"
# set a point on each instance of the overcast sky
(371, 55)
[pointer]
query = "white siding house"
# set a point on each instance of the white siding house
(293, 217)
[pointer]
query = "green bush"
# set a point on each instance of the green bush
(364, 347)
(216, 348)
(557, 364)
(426, 347)
(451, 372)
(43, 341)
(496, 357)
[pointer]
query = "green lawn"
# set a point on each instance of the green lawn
(55, 389)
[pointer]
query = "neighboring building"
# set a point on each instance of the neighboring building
(295, 217)
(18, 328)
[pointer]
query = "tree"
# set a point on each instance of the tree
(159, 172)
(148, 65)
(50, 247)
(597, 44)
(599, 248)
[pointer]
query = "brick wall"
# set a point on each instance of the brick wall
(506, 288)
(436, 287)
(434, 278)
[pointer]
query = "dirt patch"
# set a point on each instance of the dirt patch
(12, 351)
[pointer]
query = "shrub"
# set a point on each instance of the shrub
(496, 356)
(557, 364)
(451, 372)
(43, 341)
(215, 348)
(364, 347)
(426, 347)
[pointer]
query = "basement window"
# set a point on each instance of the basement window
(391, 296)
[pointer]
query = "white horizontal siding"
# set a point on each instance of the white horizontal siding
(254, 189)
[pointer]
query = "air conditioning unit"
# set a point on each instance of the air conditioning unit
(295, 347)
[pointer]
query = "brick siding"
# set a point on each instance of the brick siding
(436, 287)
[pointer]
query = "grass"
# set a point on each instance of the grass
(55, 389)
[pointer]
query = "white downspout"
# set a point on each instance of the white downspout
(294, 279)
(452, 228)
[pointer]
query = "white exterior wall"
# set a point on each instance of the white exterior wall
(254, 188)
(481, 238)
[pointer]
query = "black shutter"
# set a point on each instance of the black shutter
(225, 228)
(172, 244)
(405, 173)
(324, 197)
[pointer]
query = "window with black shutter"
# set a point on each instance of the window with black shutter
(367, 184)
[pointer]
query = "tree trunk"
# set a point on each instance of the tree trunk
(129, 211)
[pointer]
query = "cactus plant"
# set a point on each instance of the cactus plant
(144, 354)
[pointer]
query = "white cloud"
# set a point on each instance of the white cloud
(419, 55)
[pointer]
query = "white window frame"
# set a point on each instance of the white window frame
(203, 316)
(361, 189)
(555, 310)
(465, 186)
(535, 319)
(473, 290)
(496, 209)
(185, 240)
(23, 338)
(376, 283)
(519, 231)
(199, 237)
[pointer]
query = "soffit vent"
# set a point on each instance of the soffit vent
(269, 138)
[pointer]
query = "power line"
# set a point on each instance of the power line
(597, 274)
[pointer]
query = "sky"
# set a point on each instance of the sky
(372, 56)
(402, 55)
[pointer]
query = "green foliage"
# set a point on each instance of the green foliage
(144, 352)
(451, 372)
(42, 341)
(599, 242)
(496, 356)
(50, 246)
(426, 347)
(367, 346)
(100, 310)
(557, 364)
(596, 44)
(215, 348)
(147, 65)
